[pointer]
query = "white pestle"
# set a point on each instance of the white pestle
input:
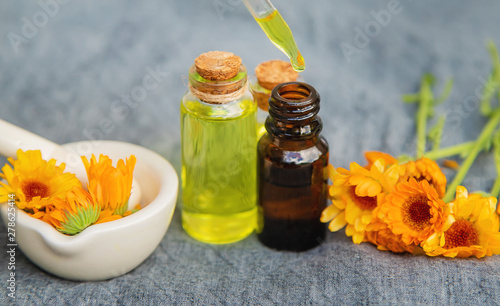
(13, 138)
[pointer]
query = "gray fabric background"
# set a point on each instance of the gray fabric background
(63, 81)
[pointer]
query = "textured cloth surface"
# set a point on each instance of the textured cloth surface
(76, 75)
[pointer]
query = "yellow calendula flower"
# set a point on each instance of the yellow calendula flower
(425, 169)
(414, 210)
(474, 232)
(110, 186)
(34, 181)
(74, 213)
(354, 196)
(372, 156)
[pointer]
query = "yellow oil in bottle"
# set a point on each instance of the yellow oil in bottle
(281, 36)
(261, 130)
(219, 163)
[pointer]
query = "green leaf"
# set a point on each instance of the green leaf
(429, 78)
(410, 98)
(426, 103)
(496, 150)
(494, 59)
(488, 91)
(424, 107)
(446, 92)
(495, 190)
(492, 85)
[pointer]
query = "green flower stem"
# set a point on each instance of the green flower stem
(436, 133)
(495, 190)
(450, 151)
(422, 115)
(479, 145)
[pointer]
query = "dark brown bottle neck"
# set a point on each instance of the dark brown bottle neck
(293, 109)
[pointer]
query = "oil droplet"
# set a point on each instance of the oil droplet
(298, 64)
(281, 36)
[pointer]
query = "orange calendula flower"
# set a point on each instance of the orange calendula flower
(354, 196)
(425, 169)
(74, 213)
(107, 215)
(474, 232)
(34, 181)
(386, 240)
(110, 186)
(414, 210)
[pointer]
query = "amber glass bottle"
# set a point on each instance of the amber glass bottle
(292, 170)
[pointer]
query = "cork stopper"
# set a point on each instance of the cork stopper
(274, 72)
(217, 65)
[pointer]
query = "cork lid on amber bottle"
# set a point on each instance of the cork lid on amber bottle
(274, 72)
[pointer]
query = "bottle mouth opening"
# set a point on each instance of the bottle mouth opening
(294, 102)
(295, 93)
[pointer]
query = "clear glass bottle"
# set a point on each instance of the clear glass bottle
(267, 75)
(292, 170)
(218, 158)
(261, 96)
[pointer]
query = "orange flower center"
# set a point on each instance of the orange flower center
(33, 188)
(416, 213)
(461, 234)
(366, 203)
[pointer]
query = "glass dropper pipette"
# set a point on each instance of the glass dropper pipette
(276, 29)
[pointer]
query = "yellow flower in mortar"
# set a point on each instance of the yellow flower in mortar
(475, 231)
(34, 181)
(110, 186)
(74, 213)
